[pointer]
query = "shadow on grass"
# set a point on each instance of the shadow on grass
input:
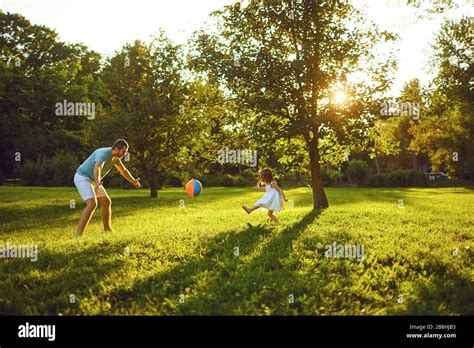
(338, 196)
(23, 219)
(449, 294)
(45, 287)
(268, 279)
(220, 279)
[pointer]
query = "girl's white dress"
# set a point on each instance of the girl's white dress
(271, 199)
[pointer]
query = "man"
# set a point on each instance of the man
(88, 182)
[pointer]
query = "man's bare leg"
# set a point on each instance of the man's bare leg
(106, 212)
(86, 215)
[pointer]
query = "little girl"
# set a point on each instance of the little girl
(272, 199)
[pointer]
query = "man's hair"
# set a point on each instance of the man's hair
(120, 144)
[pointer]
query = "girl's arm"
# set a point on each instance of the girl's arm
(280, 191)
(259, 188)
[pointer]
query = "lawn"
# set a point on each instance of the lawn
(211, 258)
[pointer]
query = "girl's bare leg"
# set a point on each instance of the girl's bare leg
(273, 217)
(249, 210)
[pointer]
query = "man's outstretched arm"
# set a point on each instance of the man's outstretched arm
(126, 174)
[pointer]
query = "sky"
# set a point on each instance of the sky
(107, 25)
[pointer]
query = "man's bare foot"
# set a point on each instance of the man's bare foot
(247, 209)
(108, 230)
(76, 235)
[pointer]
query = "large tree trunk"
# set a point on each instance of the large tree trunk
(154, 188)
(320, 200)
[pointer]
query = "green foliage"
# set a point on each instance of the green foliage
(446, 133)
(357, 170)
(36, 72)
(399, 178)
(332, 176)
(227, 180)
(435, 6)
(300, 178)
(287, 73)
(293, 155)
(169, 122)
(56, 171)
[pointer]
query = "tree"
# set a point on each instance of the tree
(36, 72)
(411, 95)
(383, 137)
(285, 60)
(446, 135)
(166, 119)
(435, 6)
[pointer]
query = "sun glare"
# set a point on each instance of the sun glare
(340, 97)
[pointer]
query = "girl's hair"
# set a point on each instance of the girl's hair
(265, 175)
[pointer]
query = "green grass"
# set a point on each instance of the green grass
(408, 268)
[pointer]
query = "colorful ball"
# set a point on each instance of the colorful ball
(193, 188)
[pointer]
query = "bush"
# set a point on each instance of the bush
(208, 180)
(117, 181)
(228, 180)
(57, 171)
(64, 167)
(399, 178)
(357, 170)
(332, 176)
(376, 180)
(418, 178)
(295, 179)
(249, 175)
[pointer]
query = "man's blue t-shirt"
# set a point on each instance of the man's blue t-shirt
(102, 155)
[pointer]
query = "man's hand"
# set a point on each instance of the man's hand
(97, 186)
(126, 174)
(136, 183)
